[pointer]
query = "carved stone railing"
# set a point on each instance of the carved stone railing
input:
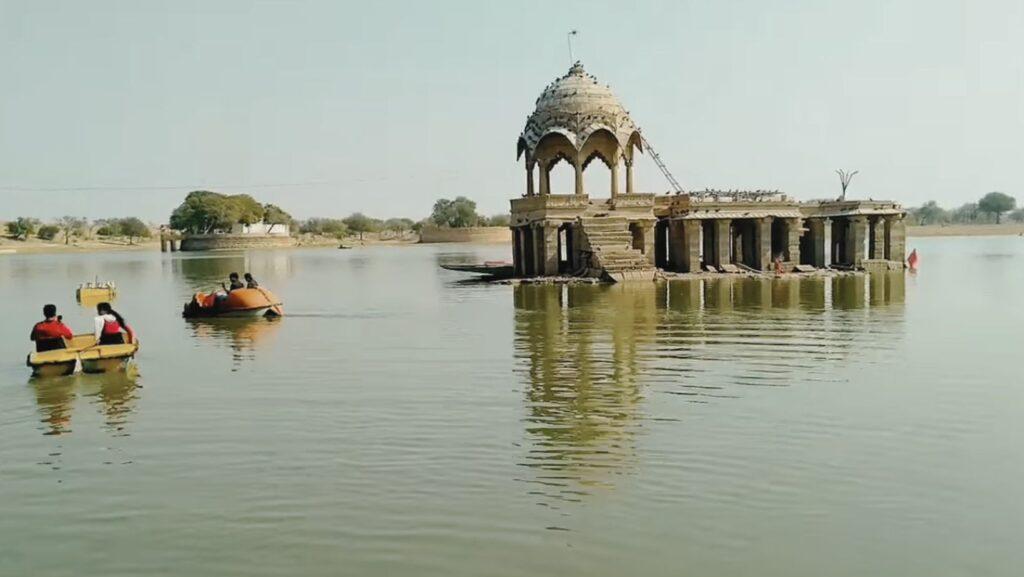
(634, 200)
(549, 201)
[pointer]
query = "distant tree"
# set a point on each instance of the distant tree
(996, 203)
(133, 228)
(965, 214)
(203, 212)
(1017, 215)
(70, 225)
(246, 209)
(398, 225)
(274, 215)
(844, 180)
(48, 231)
(458, 213)
(359, 223)
(498, 220)
(106, 227)
(325, 227)
(22, 227)
(929, 213)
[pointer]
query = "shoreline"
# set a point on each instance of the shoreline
(35, 246)
(1014, 229)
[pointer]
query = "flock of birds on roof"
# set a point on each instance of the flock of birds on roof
(736, 194)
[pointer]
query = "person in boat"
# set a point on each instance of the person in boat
(110, 326)
(234, 283)
(46, 332)
(251, 282)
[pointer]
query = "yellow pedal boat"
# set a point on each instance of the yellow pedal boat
(91, 293)
(82, 349)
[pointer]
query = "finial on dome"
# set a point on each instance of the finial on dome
(577, 69)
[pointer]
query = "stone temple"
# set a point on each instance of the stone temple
(631, 235)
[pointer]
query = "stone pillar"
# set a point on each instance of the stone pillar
(816, 228)
(579, 176)
(691, 232)
(723, 236)
(529, 180)
(629, 176)
(794, 227)
(677, 245)
(517, 252)
(545, 180)
(175, 245)
(764, 243)
(163, 245)
(648, 232)
(858, 234)
(897, 238)
(615, 179)
(878, 238)
(548, 253)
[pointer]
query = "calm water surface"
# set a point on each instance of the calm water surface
(400, 421)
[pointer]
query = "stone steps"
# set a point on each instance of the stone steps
(611, 244)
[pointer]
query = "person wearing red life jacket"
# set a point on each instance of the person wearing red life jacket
(110, 326)
(45, 332)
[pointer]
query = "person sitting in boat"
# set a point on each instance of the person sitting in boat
(110, 326)
(251, 282)
(48, 333)
(235, 284)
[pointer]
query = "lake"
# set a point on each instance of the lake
(400, 420)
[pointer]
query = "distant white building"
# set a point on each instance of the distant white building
(261, 229)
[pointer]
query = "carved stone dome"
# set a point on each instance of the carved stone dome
(576, 106)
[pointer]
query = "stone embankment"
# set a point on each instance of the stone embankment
(477, 234)
(203, 242)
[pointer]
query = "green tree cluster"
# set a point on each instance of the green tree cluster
(996, 203)
(48, 231)
(204, 212)
(131, 227)
(988, 209)
(324, 227)
(22, 227)
(457, 213)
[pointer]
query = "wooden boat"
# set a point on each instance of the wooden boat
(82, 350)
(493, 269)
(245, 302)
(96, 292)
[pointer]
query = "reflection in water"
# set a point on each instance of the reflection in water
(589, 354)
(114, 394)
(207, 271)
(242, 335)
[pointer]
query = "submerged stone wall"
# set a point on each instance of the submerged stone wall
(478, 234)
(201, 242)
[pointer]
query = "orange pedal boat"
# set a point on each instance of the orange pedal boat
(245, 302)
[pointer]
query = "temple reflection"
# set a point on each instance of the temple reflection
(590, 354)
(114, 394)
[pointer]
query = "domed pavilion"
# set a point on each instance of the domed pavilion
(632, 235)
(578, 120)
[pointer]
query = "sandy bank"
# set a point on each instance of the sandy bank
(966, 230)
(36, 246)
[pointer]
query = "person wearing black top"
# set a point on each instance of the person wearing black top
(235, 283)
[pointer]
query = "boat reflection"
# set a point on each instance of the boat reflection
(244, 336)
(589, 354)
(115, 394)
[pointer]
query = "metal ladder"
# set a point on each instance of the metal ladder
(661, 165)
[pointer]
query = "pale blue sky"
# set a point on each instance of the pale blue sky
(331, 107)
